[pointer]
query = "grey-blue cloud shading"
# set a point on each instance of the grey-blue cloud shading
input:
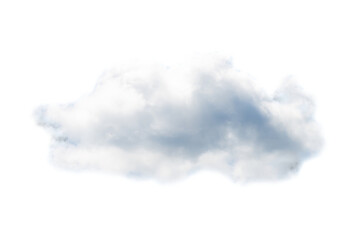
(221, 117)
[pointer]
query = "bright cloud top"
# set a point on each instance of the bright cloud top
(167, 122)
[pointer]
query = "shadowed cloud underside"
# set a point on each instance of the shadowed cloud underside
(163, 122)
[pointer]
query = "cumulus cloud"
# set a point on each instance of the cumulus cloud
(166, 122)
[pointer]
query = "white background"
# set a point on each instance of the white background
(53, 52)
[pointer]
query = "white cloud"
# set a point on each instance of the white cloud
(166, 122)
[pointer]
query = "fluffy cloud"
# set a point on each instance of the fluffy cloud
(167, 122)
